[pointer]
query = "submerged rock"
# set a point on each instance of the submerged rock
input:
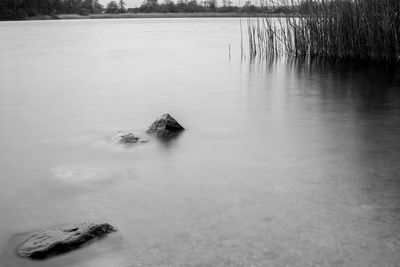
(165, 126)
(128, 138)
(58, 240)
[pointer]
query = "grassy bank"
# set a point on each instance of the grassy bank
(357, 30)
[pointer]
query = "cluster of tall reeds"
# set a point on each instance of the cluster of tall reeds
(358, 30)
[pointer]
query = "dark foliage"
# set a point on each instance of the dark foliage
(21, 9)
(194, 6)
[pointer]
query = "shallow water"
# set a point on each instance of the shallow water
(282, 163)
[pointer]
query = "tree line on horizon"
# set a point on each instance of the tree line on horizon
(192, 6)
(22, 9)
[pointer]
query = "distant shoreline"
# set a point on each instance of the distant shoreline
(147, 15)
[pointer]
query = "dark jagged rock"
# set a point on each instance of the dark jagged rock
(128, 138)
(58, 240)
(165, 126)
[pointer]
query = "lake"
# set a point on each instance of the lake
(281, 163)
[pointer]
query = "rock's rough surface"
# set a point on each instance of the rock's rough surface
(54, 241)
(165, 126)
(128, 138)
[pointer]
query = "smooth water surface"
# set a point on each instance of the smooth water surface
(282, 164)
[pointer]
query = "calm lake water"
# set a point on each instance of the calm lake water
(282, 164)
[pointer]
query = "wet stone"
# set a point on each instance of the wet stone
(128, 138)
(53, 241)
(165, 126)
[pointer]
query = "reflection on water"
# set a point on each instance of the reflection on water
(282, 163)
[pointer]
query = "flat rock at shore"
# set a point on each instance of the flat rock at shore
(165, 126)
(53, 241)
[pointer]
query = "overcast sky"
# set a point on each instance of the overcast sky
(129, 3)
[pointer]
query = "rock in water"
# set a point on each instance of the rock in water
(127, 138)
(54, 241)
(165, 126)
